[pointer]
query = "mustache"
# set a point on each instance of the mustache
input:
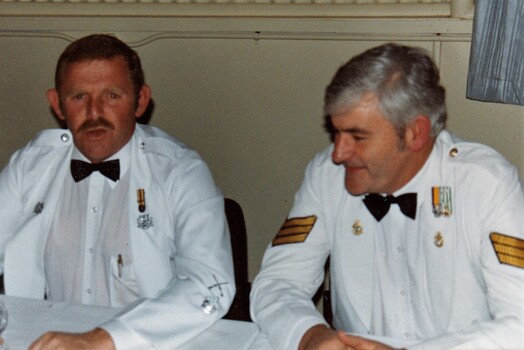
(93, 124)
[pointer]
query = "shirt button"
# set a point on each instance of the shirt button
(91, 250)
(88, 291)
(399, 249)
(406, 335)
(94, 209)
(403, 292)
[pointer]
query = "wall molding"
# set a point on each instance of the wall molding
(238, 8)
(256, 29)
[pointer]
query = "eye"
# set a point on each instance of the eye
(112, 95)
(78, 96)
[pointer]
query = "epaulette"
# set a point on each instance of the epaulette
(470, 153)
(53, 138)
(165, 147)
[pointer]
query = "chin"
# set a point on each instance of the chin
(355, 190)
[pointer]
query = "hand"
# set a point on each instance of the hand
(358, 343)
(97, 339)
(320, 337)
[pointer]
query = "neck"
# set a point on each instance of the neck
(417, 160)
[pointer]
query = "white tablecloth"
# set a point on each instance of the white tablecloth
(29, 318)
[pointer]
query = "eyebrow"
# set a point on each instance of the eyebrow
(354, 130)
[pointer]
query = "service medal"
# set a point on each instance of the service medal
(441, 198)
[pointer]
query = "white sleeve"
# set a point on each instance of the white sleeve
(502, 266)
(203, 288)
(292, 271)
(11, 205)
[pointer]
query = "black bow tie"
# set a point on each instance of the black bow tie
(379, 205)
(80, 169)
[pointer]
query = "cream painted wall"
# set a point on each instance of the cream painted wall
(244, 92)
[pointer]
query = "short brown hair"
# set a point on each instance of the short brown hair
(100, 47)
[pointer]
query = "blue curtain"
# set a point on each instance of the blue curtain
(496, 66)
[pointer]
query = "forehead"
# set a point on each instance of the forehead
(364, 113)
(93, 69)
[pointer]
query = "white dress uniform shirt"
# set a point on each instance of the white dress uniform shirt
(179, 242)
(436, 282)
(89, 240)
(395, 292)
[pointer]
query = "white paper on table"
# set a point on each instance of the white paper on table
(30, 318)
(225, 335)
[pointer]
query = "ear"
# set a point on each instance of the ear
(143, 100)
(54, 102)
(418, 133)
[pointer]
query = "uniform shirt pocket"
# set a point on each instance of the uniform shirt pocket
(122, 282)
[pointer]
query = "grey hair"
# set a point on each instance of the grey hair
(404, 79)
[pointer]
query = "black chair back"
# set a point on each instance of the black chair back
(239, 310)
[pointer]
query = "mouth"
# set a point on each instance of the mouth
(95, 133)
(352, 169)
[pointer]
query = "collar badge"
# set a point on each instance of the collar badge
(439, 240)
(38, 208)
(145, 221)
(357, 227)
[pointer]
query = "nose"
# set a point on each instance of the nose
(94, 108)
(344, 148)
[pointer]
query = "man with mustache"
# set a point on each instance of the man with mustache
(424, 232)
(113, 213)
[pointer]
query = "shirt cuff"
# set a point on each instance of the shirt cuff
(295, 336)
(123, 337)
